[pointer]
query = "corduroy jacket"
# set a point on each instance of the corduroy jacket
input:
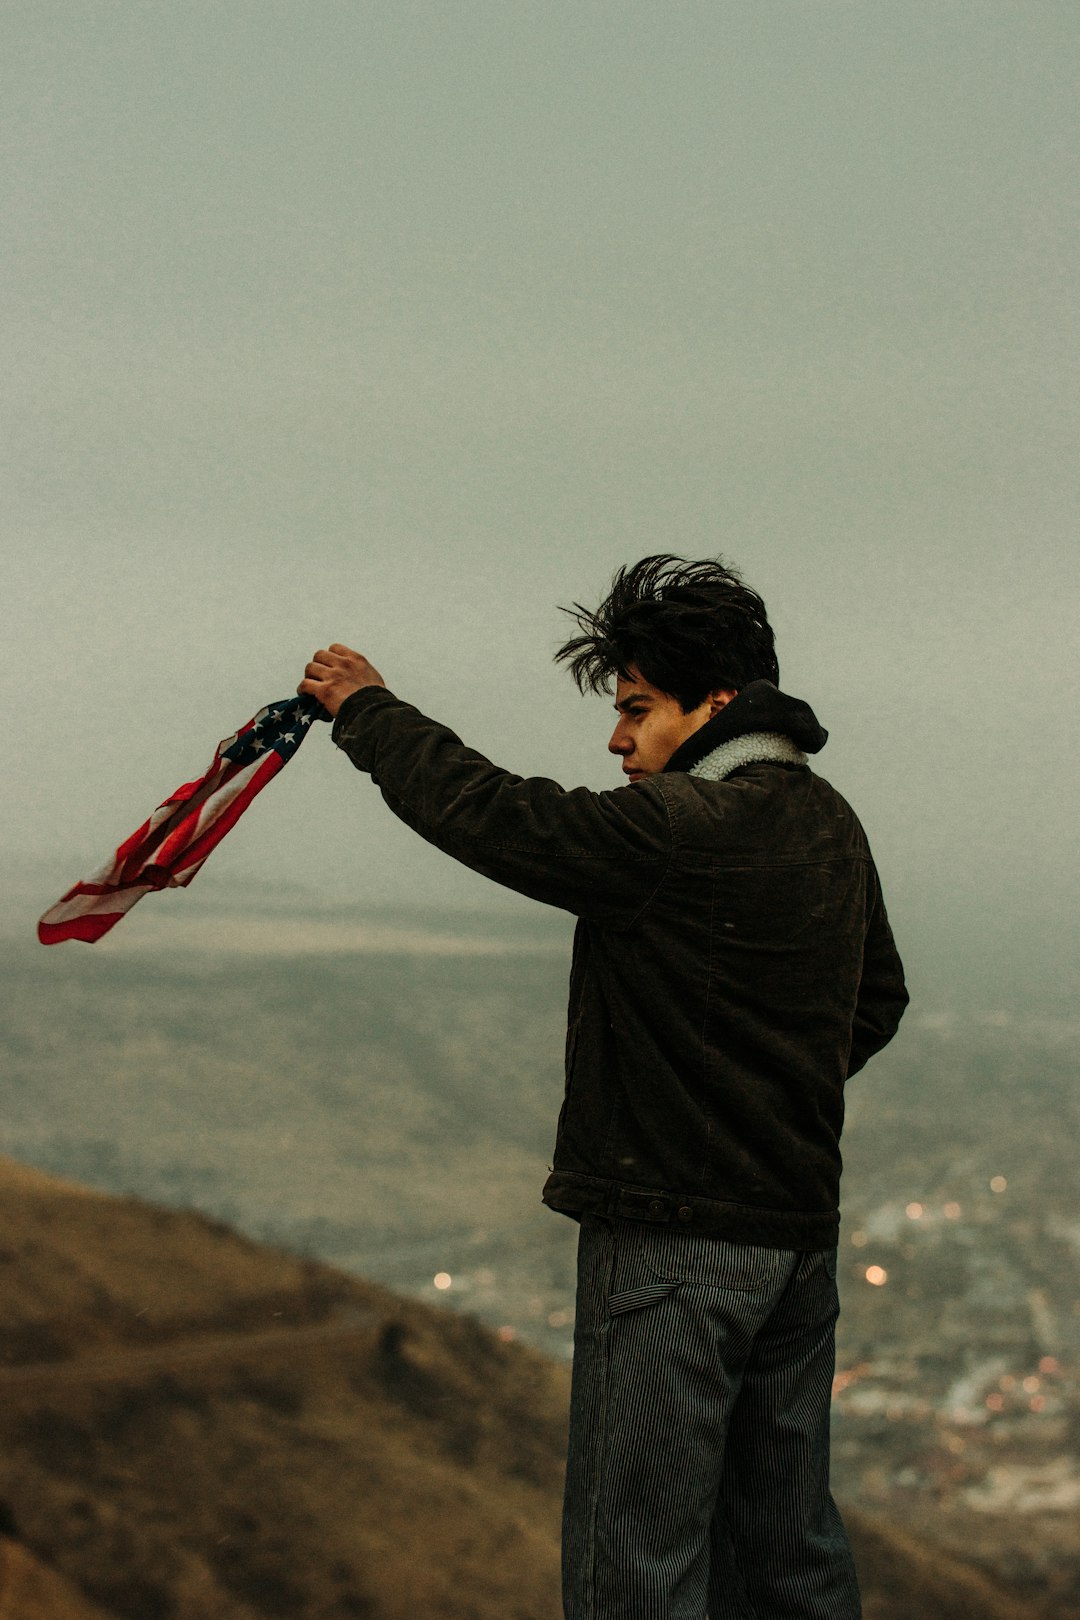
(733, 964)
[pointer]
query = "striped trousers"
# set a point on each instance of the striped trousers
(698, 1469)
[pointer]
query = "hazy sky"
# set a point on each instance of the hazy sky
(402, 324)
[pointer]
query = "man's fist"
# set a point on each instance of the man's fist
(334, 674)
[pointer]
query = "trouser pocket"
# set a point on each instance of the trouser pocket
(632, 1299)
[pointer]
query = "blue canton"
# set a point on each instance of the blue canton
(280, 726)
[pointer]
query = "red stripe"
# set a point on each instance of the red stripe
(187, 802)
(201, 846)
(88, 928)
(183, 825)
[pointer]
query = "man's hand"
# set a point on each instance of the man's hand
(335, 674)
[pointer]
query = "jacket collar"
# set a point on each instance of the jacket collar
(752, 748)
(758, 708)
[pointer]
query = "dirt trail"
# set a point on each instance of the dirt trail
(133, 1362)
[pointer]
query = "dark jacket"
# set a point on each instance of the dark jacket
(733, 964)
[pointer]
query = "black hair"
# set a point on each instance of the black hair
(689, 628)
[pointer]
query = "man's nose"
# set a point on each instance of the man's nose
(619, 744)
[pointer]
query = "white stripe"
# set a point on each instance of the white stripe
(224, 796)
(96, 905)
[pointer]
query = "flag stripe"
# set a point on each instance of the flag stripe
(238, 797)
(88, 915)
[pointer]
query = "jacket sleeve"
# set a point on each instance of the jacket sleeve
(598, 855)
(882, 992)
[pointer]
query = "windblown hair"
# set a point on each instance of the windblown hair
(688, 628)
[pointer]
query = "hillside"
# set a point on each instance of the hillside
(30, 1590)
(196, 1427)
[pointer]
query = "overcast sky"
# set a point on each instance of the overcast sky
(402, 324)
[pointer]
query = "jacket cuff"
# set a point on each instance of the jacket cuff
(348, 725)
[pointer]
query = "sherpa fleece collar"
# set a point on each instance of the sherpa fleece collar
(759, 708)
(753, 748)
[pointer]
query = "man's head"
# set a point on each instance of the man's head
(652, 724)
(681, 639)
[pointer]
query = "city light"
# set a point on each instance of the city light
(998, 1184)
(859, 1239)
(442, 1279)
(914, 1212)
(506, 1333)
(952, 1212)
(877, 1275)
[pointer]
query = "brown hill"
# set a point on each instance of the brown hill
(197, 1427)
(29, 1590)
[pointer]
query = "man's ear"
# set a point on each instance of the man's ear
(720, 699)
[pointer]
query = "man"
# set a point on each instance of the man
(733, 966)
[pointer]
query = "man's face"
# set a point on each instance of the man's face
(652, 724)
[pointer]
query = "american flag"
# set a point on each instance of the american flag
(169, 848)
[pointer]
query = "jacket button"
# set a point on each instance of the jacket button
(656, 1208)
(685, 1213)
